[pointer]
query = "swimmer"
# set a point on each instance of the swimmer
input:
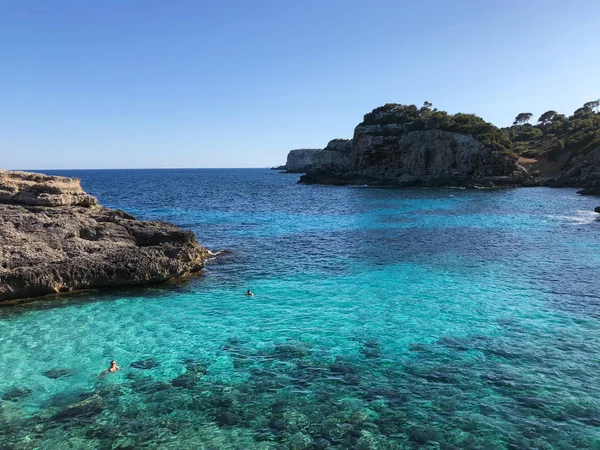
(112, 369)
(249, 293)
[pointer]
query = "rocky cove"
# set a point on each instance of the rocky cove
(383, 318)
(404, 145)
(55, 238)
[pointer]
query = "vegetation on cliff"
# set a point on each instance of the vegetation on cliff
(554, 132)
(413, 118)
(399, 144)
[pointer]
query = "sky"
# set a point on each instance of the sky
(239, 83)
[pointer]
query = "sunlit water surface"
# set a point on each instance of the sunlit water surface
(382, 319)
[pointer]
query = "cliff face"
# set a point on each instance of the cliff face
(565, 150)
(55, 238)
(575, 170)
(301, 160)
(428, 158)
(565, 168)
(334, 156)
(36, 189)
(385, 151)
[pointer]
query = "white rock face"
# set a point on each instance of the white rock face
(335, 156)
(301, 160)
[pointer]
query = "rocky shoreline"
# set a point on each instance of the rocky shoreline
(55, 238)
(422, 159)
(406, 146)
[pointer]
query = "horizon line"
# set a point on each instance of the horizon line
(147, 168)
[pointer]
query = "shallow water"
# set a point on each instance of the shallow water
(382, 319)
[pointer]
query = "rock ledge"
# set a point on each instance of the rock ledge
(55, 238)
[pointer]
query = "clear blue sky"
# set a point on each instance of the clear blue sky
(121, 84)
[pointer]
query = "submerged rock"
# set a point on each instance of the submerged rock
(371, 349)
(299, 441)
(198, 368)
(16, 392)
(89, 407)
(55, 238)
(195, 370)
(55, 374)
(291, 350)
(185, 380)
(150, 363)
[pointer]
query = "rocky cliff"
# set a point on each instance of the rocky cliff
(566, 168)
(333, 157)
(563, 150)
(55, 238)
(301, 160)
(399, 145)
(581, 170)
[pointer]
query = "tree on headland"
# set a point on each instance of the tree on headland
(593, 105)
(556, 133)
(546, 117)
(582, 112)
(427, 104)
(522, 118)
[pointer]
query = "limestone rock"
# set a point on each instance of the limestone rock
(55, 238)
(388, 154)
(334, 156)
(27, 188)
(582, 170)
(301, 160)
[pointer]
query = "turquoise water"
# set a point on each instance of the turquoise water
(381, 319)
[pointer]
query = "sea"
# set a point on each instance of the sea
(381, 319)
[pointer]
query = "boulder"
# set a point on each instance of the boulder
(597, 209)
(55, 238)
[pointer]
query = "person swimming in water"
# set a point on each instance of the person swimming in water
(249, 293)
(112, 369)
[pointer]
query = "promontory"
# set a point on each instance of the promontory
(55, 238)
(407, 145)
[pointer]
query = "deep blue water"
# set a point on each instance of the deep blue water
(382, 319)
